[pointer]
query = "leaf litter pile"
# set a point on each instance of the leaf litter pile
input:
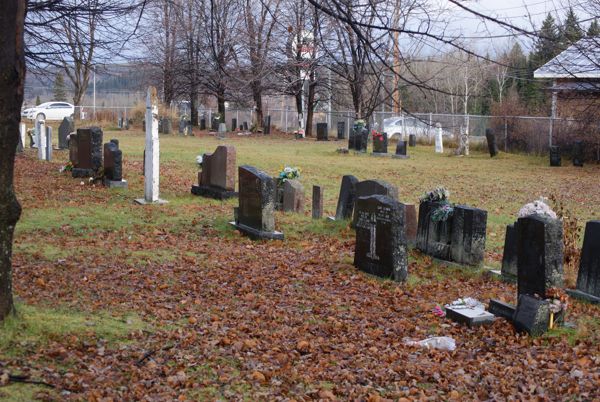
(228, 318)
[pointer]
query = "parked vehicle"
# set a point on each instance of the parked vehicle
(49, 111)
(407, 125)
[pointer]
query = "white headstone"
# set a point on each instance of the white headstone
(40, 139)
(152, 157)
(439, 142)
(23, 133)
(48, 143)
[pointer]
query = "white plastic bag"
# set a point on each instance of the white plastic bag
(436, 342)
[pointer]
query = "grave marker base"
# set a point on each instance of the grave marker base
(115, 183)
(256, 234)
(400, 156)
(380, 154)
(78, 172)
(142, 201)
(578, 294)
(532, 315)
(501, 309)
(213, 192)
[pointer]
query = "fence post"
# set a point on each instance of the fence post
(505, 134)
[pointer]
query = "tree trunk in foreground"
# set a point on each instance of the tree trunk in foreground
(12, 78)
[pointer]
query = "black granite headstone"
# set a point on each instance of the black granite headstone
(245, 126)
(554, 155)
(467, 242)
(166, 125)
(267, 125)
(255, 215)
(588, 279)
(381, 247)
(509, 257)
(322, 132)
(367, 188)
(65, 128)
(113, 162)
(347, 198)
(317, 202)
(433, 238)
(539, 254)
(501, 309)
(341, 130)
(532, 315)
(412, 140)
(203, 124)
(233, 124)
(578, 153)
(89, 152)
(380, 143)
(401, 148)
(491, 141)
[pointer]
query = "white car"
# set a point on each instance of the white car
(49, 111)
(407, 125)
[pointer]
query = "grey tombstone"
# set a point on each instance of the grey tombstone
(578, 153)
(341, 130)
(40, 139)
(401, 150)
(347, 198)
(21, 143)
(66, 127)
(322, 132)
(293, 196)
(539, 254)
(433, 238)
(412, 140)
(588, 278)
(182, 125)
(88, 149)
(113, 165)
(317, 202)
(467, 240)
(410, 223)
(381, 247)
(555, 156)
(48, 143)
(491, 142)
(509, 257)
(532, 315)
(222, 130)
(166, 126)
(255, 214)
(367, 188)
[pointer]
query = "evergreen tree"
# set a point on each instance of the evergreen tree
(570, 32)
(547, 44)
(594, 29)
(59, 88)
(38, 101)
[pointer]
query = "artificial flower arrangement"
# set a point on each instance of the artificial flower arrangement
(377, 136)
(67, 168)
(440, 195)
(288, 173)
(538, 207)
(559, 302)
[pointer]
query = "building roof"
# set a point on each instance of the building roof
(581, 60)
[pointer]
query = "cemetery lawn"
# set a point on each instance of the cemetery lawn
(122, 301)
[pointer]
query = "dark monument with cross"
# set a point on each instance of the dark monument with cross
(85, 151)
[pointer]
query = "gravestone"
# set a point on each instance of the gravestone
(341, 130)
(202, 124)
(539, 254)
(293, 196)
(113, 165)
(381, 247)
(467, 240)
(222, 130)
(48, 143)
(267, 125)
(491, 141)
(217, 178)
(578, 153)
(233, 124)
(322, 132)
(151, 152)
(358, 138)
(433, 238)
(255, 214)
(214, 126)
(532, 315)
(21, 143)
(554, 155)
(588, 279)
(40, 139)
(380, 144)
(166, 125)
(128, 122)
(119, 122)
(412, 140)
(245, 126)
(509, 257)
(439, 141)
(401, 150)
(471, 316)
(317, 202)
(410, 223)
(501, 309)
(367, 188)
(347, 198)
(66, 127)
(182, 125)
(86, 148)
